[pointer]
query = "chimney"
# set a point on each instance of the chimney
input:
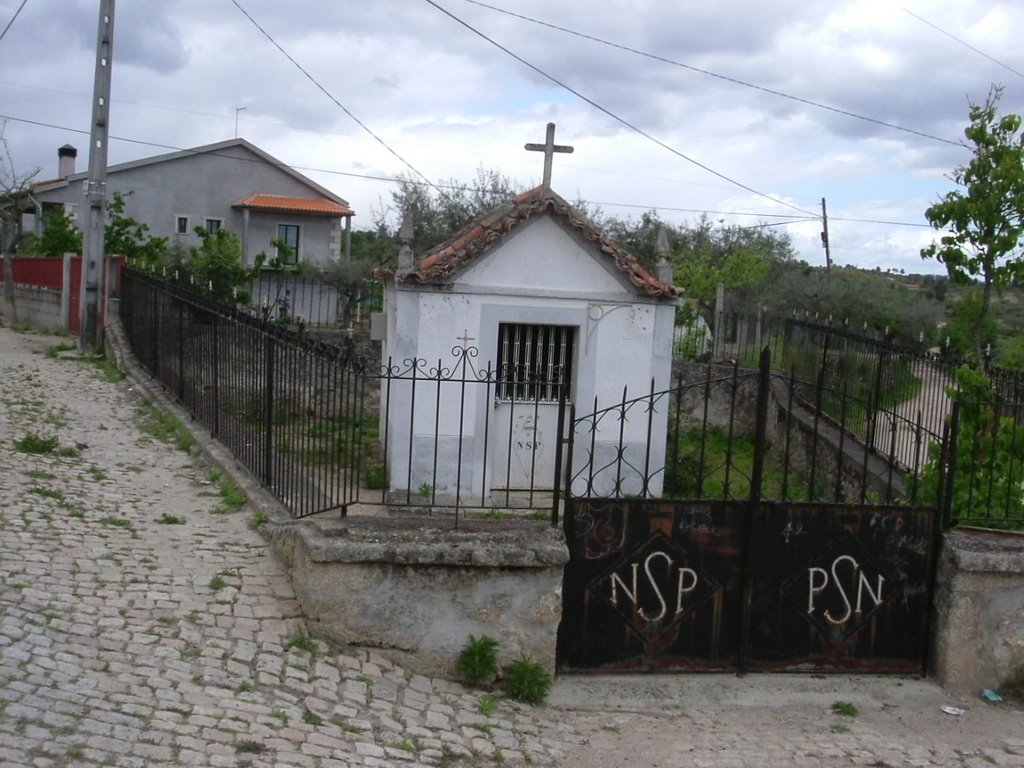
(66, 161)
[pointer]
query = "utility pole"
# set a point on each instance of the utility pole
(93, 295)
(824, 237)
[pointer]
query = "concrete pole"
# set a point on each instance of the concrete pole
(92, 301)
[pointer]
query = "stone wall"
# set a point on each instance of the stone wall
(37, 307)
(417, 588)
(979, 609)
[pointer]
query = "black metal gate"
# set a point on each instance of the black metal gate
(732, 585)
(810, 581)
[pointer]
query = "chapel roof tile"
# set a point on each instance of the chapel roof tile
(493, 226)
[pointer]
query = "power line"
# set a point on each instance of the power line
(962, 42)
(611, 114)
(789, 218)
(709, 73)
(329, 95)
(11, 22)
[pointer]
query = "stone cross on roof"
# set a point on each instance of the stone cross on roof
(549, 148)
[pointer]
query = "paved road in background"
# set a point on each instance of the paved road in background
(144, 623)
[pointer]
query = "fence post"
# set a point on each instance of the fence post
(181, 352)
(559, 442)
(216, 375)
(754, 505)
(949, 466)
(268, 412)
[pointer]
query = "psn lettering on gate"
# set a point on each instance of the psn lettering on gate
(843, 580)
(656, 584)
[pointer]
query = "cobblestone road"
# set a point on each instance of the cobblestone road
(144, 623)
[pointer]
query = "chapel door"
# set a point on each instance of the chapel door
(534, 361)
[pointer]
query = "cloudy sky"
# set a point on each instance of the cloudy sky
(736, 108)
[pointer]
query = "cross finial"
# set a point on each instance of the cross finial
(549, 148)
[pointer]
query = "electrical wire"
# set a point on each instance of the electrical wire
(329, 95)
(709, 73)
(611, 114)
(11, 22)
(962, 42)
(789, 218)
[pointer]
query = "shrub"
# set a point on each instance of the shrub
(526, 680)
(478, 661)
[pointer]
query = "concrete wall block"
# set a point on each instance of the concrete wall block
(979, 609)
(417, 591)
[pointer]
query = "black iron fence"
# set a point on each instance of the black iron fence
(290, 409)
(325, 427)
(821, 416)
(315, 303)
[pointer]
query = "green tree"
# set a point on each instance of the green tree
(739, 258)
(988, 485)
(984, 217)
(216, 266)
(439, 213)
(60, 236)
(124, 236)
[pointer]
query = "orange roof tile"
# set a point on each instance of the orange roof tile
(316, 206)
(493, 226)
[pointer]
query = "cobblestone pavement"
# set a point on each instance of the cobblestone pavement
(144, 623)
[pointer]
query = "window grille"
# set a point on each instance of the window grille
(533, 360)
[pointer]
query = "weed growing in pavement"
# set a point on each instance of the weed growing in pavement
(54, 350)
(167, 621)
(47, 493)
(250, 746)
(259, 519)
(246, 686)
(37, 444)
(345, 725)
(40, 474)
(97, 474)
(845, 708)
(190, 652)
(498, 756)
(166, 519)
(527, 681)
(192, 617)
(281, 715)
(118, 522)
(311, 718)
(405, 745)
(163, 425)
(487, 706)
(108, 369)
(302, 641)
(217, 583)
(478, 660)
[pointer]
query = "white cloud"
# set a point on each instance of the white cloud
(449, 102)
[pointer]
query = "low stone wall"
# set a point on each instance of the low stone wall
(417, 588)
(37, 307)
(979, 609)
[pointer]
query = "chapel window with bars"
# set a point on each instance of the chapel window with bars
(533, 360)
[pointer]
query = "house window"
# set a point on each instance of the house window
(289, 235)
(181, 225)
(533, 360)
(213, 225)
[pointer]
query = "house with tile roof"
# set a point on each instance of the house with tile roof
(231, 184)
(528, 302)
